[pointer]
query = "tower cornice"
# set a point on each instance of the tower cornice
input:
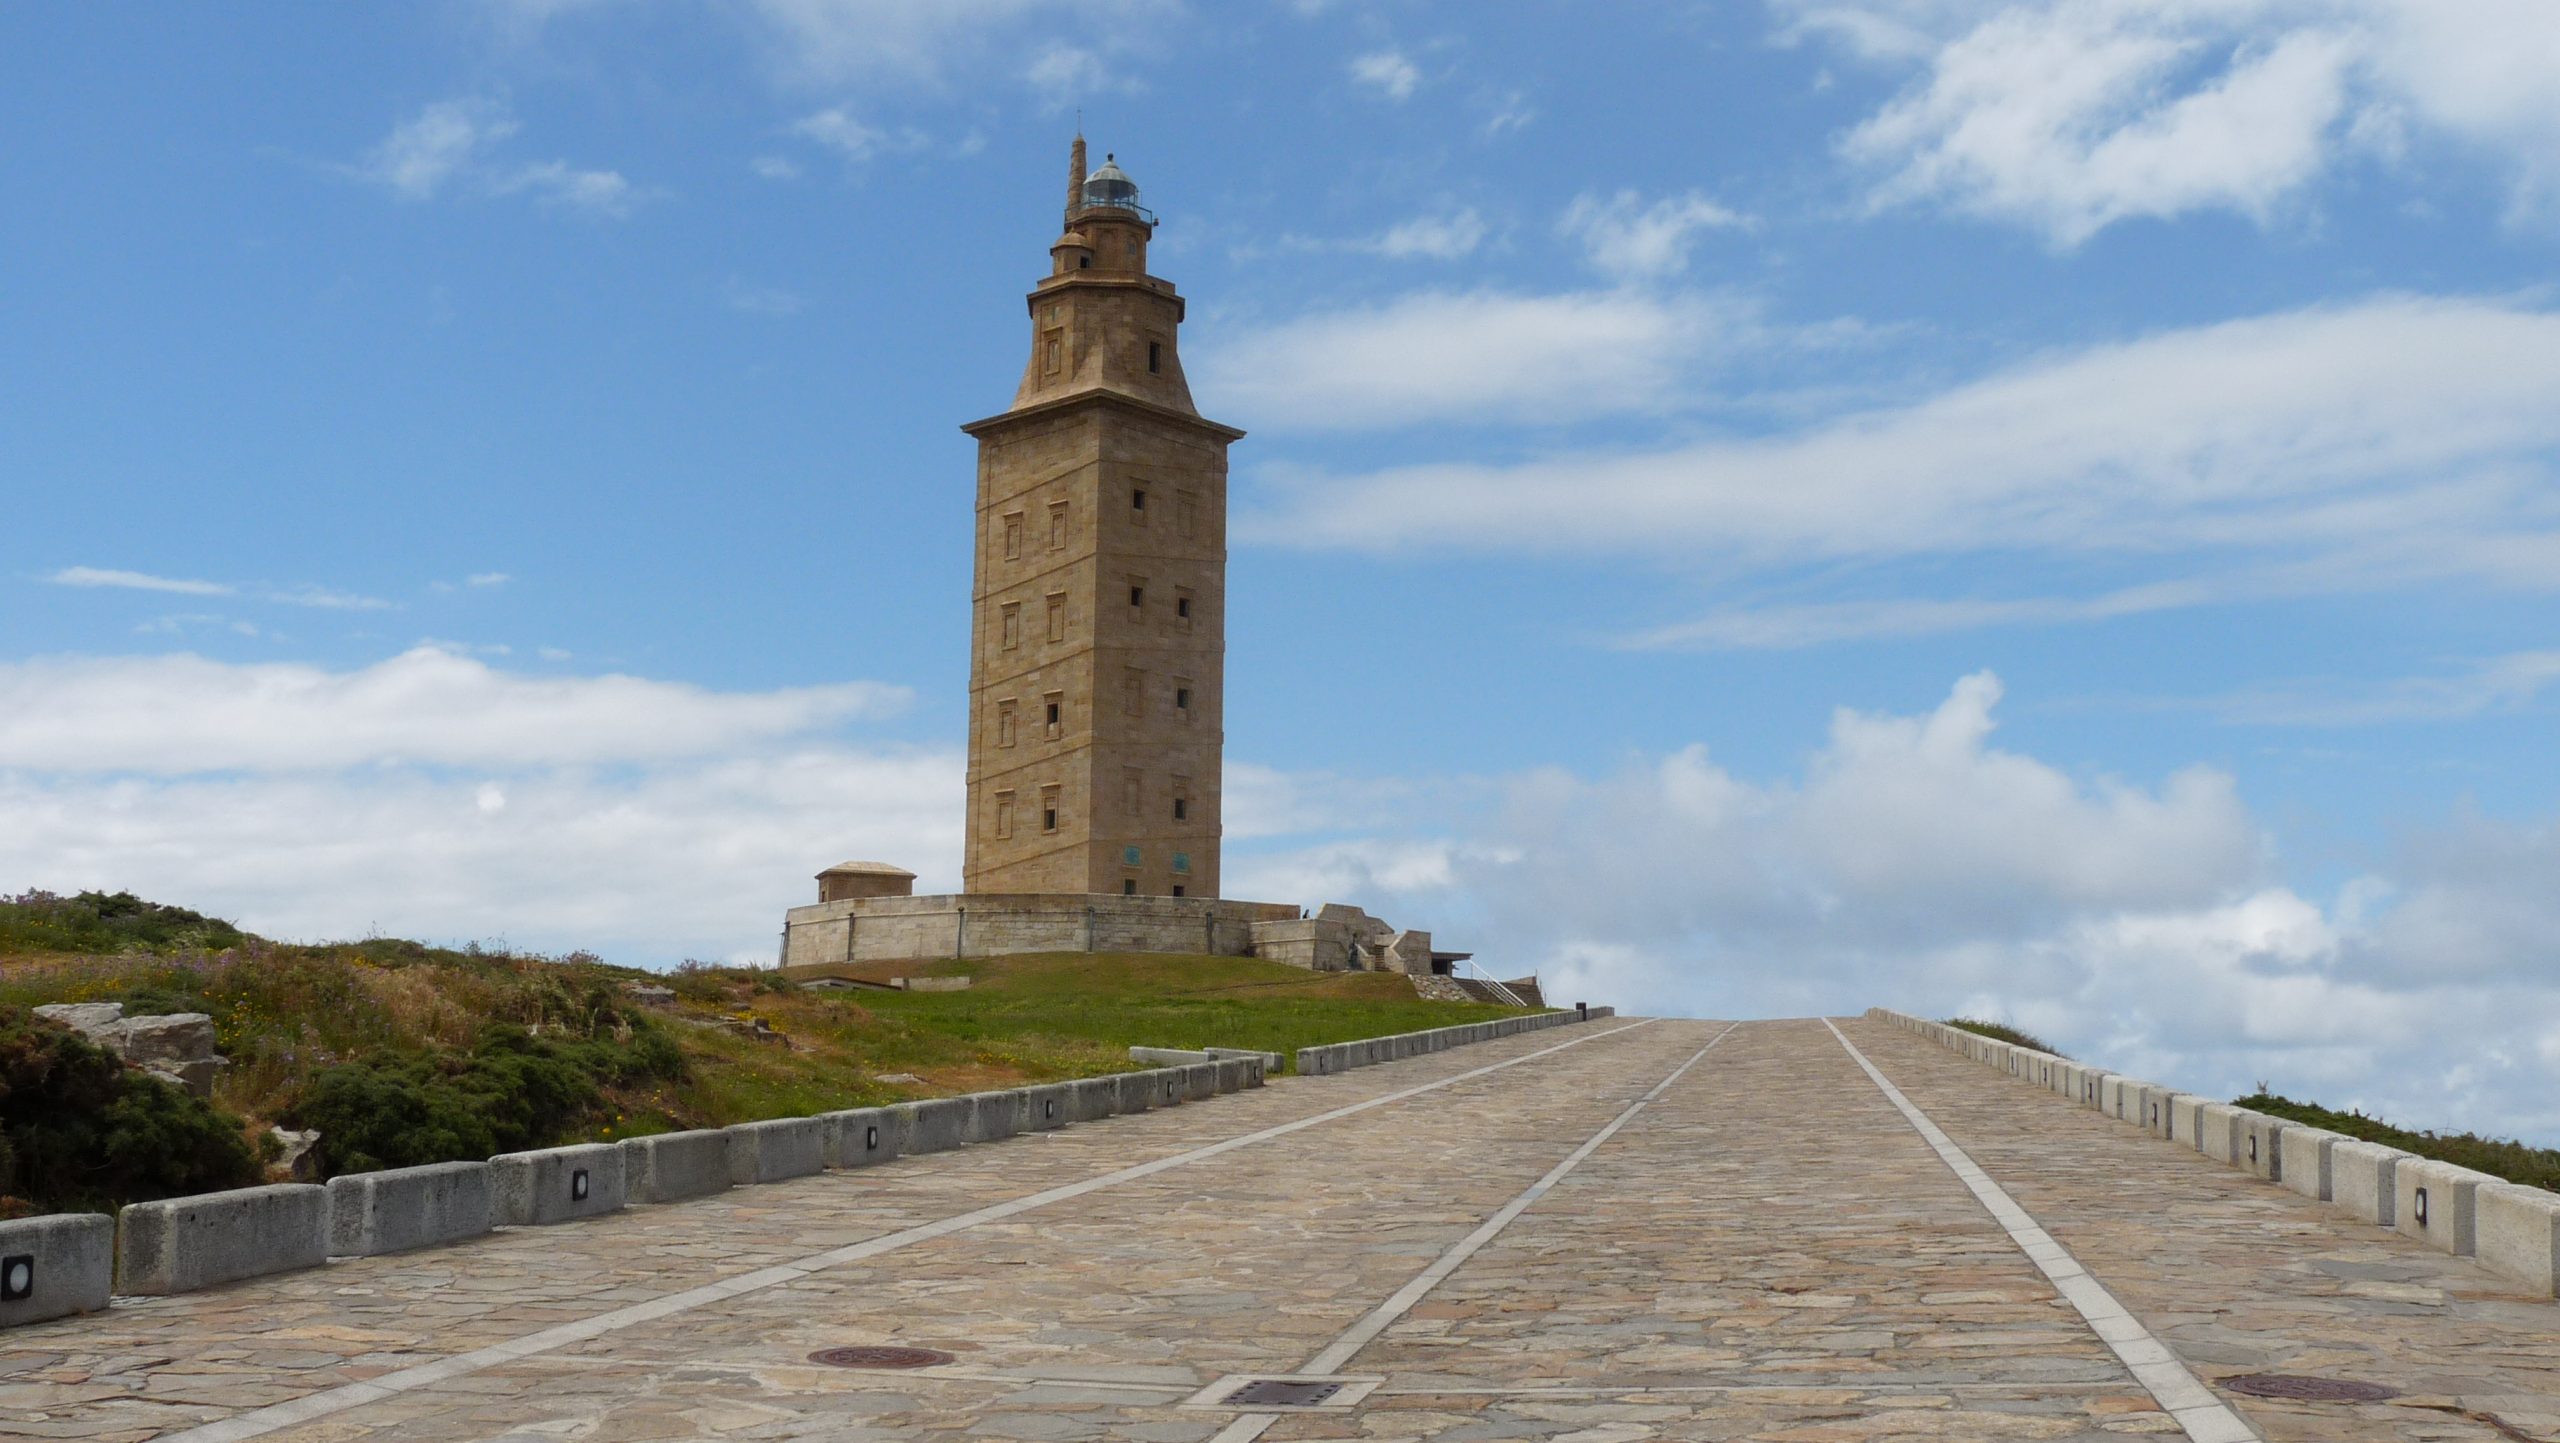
(1098, 395)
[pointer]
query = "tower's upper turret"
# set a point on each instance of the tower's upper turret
(1099, 320)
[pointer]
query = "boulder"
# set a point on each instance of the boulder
(166, 1041)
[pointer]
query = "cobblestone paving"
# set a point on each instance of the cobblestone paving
(1767, 1251)
(2239, 1276)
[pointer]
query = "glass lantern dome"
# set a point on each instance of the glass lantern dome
(1110, 188)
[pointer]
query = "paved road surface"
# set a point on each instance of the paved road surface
(1678, 1230)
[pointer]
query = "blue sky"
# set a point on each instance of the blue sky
(1750, 506)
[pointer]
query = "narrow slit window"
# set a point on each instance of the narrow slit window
(1155, 357)
(1182, 698)
(1138, 504)
(1048, 809)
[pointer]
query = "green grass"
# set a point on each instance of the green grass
(406, 1030)
(2514, 1161)
(2003, 1032)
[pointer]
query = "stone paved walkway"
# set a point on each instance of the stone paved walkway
(1766, 1250)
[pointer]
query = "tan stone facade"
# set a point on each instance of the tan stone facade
(1098, 654)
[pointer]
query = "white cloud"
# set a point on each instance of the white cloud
(136, 581)
(424, 153)
(2352, 446)
(326, 599)
(2072, 115)
(605, 192)
(1626, 238)
(1387, 72)
(696, 857)
(774, 167)
(1436, 237)
(447, 145)
(1062, 74)
(1914, 863)
(487, 578)
(1482, 355)
(836, 41)
(2498, 684)
(181, 715)
(838, 130)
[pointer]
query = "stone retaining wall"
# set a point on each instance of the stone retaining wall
(2512, 1230)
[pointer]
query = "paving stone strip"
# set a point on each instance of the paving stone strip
(279, 1416)
(1338, 1354)
(2200, 1415)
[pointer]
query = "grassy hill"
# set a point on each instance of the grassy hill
(400, 1053)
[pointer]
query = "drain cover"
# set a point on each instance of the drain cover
(880, 1357)
(2308, 1390)
(1275, 1392)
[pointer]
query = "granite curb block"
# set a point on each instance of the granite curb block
(860, 1137)
(1368, 1052)
(2516, 1232)
(776, 1149)
(937, 1124)
(2435, 1201)
(2512, 1230)
(672, 1166)
(1048, 1106)
(995, 1116)
(555, 1185)
(402, 1208)
(2306, 1156)
(1093, 1099)
(2361, 1180)
(51, 1267)
(183, 1244)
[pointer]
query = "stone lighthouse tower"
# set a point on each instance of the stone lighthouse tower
(1098, 656)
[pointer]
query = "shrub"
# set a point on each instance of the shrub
(108, 922)
(2514, 1161)
(2002, 1032)
(79, 1130)
(510, 1091)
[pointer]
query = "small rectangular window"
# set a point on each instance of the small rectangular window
(1057, 526)
(1012, 624)
(1128, 886)
(1004, 814)
(1182, 698)
(1048, 809)
(1057, 616)
(1053, 707)
(1182, 609)
(1138, 505)
(1013, 537)
(1155, 357)
(1177, 889)
(1182, 809)
(1053, 353)
(1004, 723)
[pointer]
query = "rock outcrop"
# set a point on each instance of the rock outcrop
(175, 1048)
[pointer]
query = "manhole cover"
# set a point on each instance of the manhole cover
(2308, 1390)
(1279, 1394)
(880, 1357)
